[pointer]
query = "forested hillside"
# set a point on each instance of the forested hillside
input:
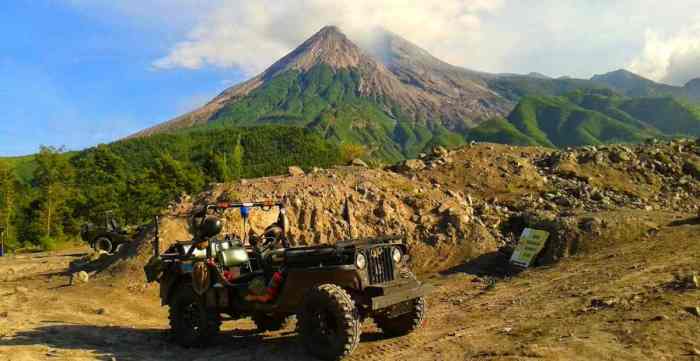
(327, 101)
(590, 117)
(137, 177)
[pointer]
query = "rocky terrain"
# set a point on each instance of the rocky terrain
(615, 282)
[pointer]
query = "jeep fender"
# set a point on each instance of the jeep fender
(299, 281)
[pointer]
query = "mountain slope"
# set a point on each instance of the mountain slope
(414, 65)
(590, 117)
(633, 85)
(397, 99)
(329, 59)
(515, 87)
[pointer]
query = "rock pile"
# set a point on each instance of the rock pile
(453, 205)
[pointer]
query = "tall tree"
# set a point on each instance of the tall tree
(8, 193)
(216, 167)
(173, 177)
(52, 176)
(101, 178)
(237, 160)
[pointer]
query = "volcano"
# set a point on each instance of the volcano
(394, 97)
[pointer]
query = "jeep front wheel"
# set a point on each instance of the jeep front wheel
(329, 323)
(405, 323)
(191, 323)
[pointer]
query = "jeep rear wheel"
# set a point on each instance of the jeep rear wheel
(405, 323)
(103, 244)
(266, 322)
(329, 323)
(191, 323)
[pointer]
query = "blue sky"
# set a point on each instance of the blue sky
(76, 73)
(76, 77)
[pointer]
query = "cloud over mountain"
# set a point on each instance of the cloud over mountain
(576, 38)
(251, 34)
(672, 59)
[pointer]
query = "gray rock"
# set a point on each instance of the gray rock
(412, 165)
(440, 151)
(620, 156)
(295, 171)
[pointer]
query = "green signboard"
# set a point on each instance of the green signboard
(531, 243)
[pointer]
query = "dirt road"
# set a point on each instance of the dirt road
(621, 303)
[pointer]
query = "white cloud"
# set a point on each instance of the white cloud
(252, 34)
(673, 59)
(555, 37)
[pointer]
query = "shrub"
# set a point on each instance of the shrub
(48, 243)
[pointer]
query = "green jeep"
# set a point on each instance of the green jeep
(330, 288)
(106, 236)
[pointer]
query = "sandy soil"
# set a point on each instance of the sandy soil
(619, 303)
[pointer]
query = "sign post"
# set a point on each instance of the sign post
(531, 243)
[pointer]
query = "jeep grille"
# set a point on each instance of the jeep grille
(380, 267)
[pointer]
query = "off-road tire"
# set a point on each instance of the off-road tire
(266, 322)
(103, 244)
(192, 325)
(329, 323)
(405, 323)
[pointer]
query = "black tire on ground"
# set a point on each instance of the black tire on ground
(191, 323)
(329, 323)
(405, 323)
(103, 244)
(266, 322)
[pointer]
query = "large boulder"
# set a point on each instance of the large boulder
(412, 165)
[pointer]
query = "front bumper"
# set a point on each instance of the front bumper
(395, 295)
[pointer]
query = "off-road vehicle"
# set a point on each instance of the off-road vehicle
(105, 236)
(330, 288)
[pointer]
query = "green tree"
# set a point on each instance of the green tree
(237, 160)
(144, 197)
(351, 151)
(216, 167)
(101, 178)
(8, 206)
(52, 176)
(174, 178)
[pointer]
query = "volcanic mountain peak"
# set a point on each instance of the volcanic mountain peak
(421, 85)
(328, 46)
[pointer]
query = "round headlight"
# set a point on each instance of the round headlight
(360, 261)
(396, 255)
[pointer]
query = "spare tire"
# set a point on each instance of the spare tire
(103, 244)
